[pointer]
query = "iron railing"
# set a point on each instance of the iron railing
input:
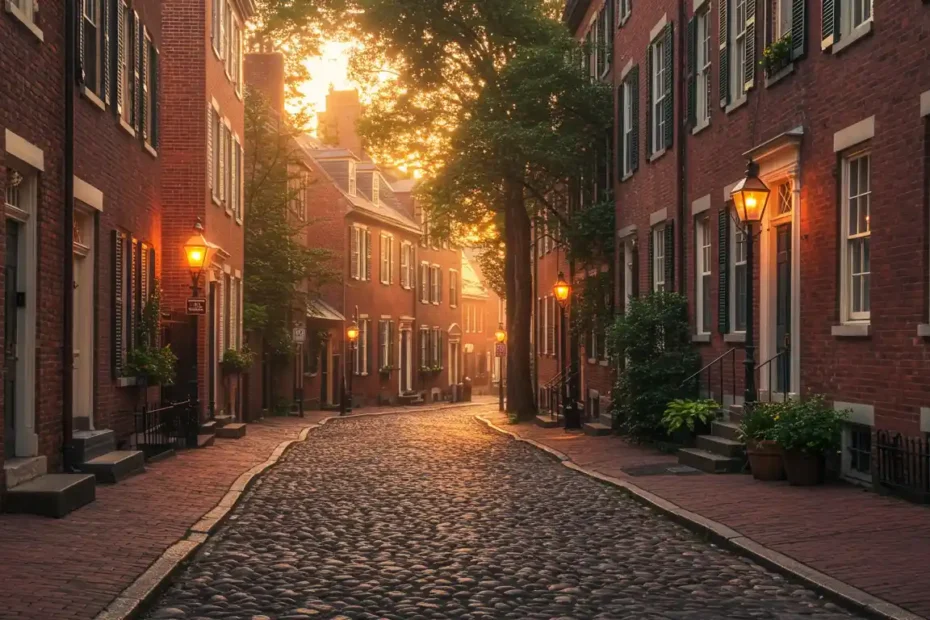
(779, 361)
(166, 428)
(706, 376)
(904, 465)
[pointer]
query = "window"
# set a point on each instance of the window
(424, 283)
(218, 129)
(623, 11)
(127, 65)
(703, 88)
(436, 347)
(858, 457)
(601, 42)
(627, 129)
(453, 288)
(658, 258)
(739, 275)
(92, 45)
(406, 265)
(785, 199)
(702, 272)
(299, 184)
(435, 284)
(554, 323)
(225, 312)
(855, 250)
(148, 89)
(740, 58)
(659, 92)
(216, 30)
(854, 13)
(361, 348)
(387, 258)
(25, 11)
(424, 347)
(360, 253)
(353, 188)
(384, 344)
(780, 14)
(628, 273)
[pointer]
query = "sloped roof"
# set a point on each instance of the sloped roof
(472, 286)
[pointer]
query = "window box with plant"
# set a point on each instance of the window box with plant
(147, 362)
(385, 371)
(686, 419)
(776, 56)
(236, 362)
(757, 430)
(807, 430)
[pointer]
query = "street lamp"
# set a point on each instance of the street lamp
(501, 336)
(199, 253)
(750, 197)
(352, 333)
(562, 291)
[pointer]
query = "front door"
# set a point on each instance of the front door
(324, 372)
(783, 308)
(405, 386)
(10, 335)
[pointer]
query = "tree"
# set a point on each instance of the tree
(282, 274)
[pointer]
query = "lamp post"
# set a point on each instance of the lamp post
(501, 336)
(562, 291)
(199, 252)
(750, 197)
(352, 333)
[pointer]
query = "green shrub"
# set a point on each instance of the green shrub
(758, 422)
(235, 362)
(808, 425)
(153, 365)
(653, 349)
(687, 413)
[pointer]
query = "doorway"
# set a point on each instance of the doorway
(83, 320)
(406, 354)
(325, 388)
(783, 308)
(10, 331)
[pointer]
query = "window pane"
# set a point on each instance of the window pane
(741, 297)
(706, 301)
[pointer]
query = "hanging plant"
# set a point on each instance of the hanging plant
(148, 362)
(236, 362)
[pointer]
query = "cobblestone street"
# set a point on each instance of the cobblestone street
(435, 516)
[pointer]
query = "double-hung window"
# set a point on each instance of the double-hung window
(740, 43)
(387, 258)
(628, 93)
(739, 275)
(361, 348)
(93, 41)
(624, 8)
(856, 226)
(702, 272)
(127, 51)
(406, 265)
(360, 253)
(453, 288)
(424, 283)
(659, 93)
(435, 284)
(703, 87)
(658, 258)
(780, 19)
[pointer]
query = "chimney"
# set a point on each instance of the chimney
(265, 73)
(338, 125)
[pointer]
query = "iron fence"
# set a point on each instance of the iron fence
(174, 426)
(904, 465)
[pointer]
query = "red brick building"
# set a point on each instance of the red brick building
(694, 104)
(202, 161)
(482, 314)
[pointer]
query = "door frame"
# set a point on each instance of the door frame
(84, 336)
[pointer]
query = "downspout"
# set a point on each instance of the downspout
(535, 315)
(67, 349)
(682, 151)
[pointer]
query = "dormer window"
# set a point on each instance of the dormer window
(375, 188)
(353, 190)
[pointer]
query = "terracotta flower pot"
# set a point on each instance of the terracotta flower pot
(765, 460)
(803, 468)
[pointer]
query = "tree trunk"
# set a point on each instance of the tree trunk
(520, 398)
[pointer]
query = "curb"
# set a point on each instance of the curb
(848, 596)
(131, 601)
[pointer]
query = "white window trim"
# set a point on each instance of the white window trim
(628, 127)
(739, 92)
(703, 80)
(453, 290)
(846, 311)
(26, 15)
(657, 82)
(406, 249)
(424, 283)
(658, 252)
(702, 268)
(735, 231)
(849, 34)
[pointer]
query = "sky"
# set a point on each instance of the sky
(331, 67)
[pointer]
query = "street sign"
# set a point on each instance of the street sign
(300, 335)
(197, 306)
(500, 349)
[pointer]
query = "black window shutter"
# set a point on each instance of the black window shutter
(392, 344)
(137, 70)
(649, 145)
(105, 51)
(152, 282)
(750, 68)
(652, 253)
(670, 85)
(619, 124)
(634, 112)
(156, 108)
(723, 11)
(143, 82)
(670, 256)
(81, 60)
(117, 283)
(723, 271)
(368, 340)
(692, 72)
(798, 28)
(831, 18)
(132, 284)
(119, 56)
(382, 328)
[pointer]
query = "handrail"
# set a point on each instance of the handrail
(701, 371)
(783, 356)
(772, 359)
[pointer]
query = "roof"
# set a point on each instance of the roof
(319, 309)
(404, 186)
(472, 286)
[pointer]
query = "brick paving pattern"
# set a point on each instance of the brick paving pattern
(436, 516)
(72, 568)
(876, 543)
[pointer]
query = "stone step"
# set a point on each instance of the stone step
(596, 429)
(52, 495)
(223, 420)
(235, 430)
(736, 413)
(547, 421)
(115, 466)
(204, 441)
(726, 430)
(721, 446)
(708, 461)
(21, 470)
(208, 427)
(88, 445)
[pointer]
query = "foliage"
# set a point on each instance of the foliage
(592, 308)
(776, 55)
(808, 425)
(758, 422)
(282, 272)
(589, 237)
(386, 370)
(681, 413)
(235, 362)
(152, 364)
(653, 342)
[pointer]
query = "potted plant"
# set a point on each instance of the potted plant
(757, 430)
(151, 365)
(776, 55)
(236, 362)
(806, 430)
(385, 371)
(686, 419)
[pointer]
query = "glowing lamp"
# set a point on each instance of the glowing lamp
(198, 250)
(500, 334)
(562, 290)
(750, 196)
(352, 332)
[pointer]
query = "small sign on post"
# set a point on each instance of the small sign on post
(197, 306)
(500, 349)
(300, 335)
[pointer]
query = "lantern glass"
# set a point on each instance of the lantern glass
(562, 290)
(751, 196)
(500, 334)
(352, 332)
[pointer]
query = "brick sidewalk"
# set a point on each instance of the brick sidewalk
(72, 568)
(878, 544)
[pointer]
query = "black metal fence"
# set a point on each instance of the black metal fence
(904, 465)
(166, 428)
